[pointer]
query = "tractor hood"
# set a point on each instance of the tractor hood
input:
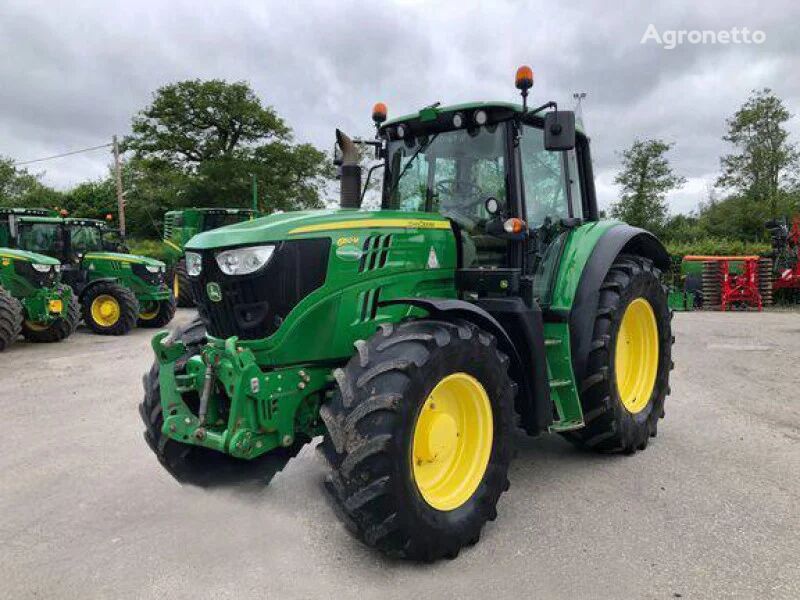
(126, 258)
(25, 256)
(317, 223)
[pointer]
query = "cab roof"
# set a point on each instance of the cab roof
(429, 113)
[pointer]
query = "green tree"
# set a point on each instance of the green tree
(645, 178)
(764, 163)
(19, 187)
(190, 122)
(201, 143)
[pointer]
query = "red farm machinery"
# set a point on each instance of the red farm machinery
(786, 258)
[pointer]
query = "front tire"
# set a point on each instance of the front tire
(60, 328)
(419, 437)
(157, 314)
(109, 308)
(195, 465)
(628, 371)
(10, 319)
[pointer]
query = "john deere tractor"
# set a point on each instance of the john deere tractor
(116, 291)
(485, 295)
(180, 226)
(33, 302)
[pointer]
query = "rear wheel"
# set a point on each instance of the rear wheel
(628, 370)
(58, 329)
(157, 314)
(110, 309)
(419, 437)
(181, 288)
(10, 319)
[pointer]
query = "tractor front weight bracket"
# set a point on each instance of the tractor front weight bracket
(243, 411)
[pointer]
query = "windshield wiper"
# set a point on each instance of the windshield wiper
(410, 162)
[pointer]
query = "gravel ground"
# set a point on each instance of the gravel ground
(710, 510)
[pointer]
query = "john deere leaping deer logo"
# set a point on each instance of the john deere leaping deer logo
(214, 292)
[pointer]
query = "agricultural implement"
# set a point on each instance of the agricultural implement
(116, 291)
(182, 225)
(485, 294)
(734, 282)
(786, 257)
(33, 302)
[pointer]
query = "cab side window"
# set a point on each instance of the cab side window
(544, 179)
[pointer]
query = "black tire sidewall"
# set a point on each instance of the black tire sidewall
(475, 360)
(647, 286)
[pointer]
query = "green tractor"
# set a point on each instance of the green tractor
(116, 291)
(182, 225)
(484, 296)
(33, 302)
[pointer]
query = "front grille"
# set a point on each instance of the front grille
(142, 273)
(25, 270)
(254, 306)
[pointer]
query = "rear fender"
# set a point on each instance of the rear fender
(621, 239)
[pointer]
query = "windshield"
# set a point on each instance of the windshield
(44, 238)
(85, 238)
(452, 172)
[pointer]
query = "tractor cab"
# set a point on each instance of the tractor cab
(509, 190)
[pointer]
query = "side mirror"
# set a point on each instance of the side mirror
(559, 130)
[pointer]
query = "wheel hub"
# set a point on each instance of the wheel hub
(452, 441)
(636, 355)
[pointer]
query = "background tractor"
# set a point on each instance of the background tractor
(485, 294)
(116, 291)
(182, 225)
(33, 302)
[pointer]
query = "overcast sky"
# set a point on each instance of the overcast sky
(73, 73)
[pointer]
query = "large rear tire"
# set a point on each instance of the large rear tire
(181, 287)
(10, 319)
(109, 308)
(195, 465)
(60, 328)
(419, 437)
(630, 361)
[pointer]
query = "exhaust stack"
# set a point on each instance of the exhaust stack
(350, 195)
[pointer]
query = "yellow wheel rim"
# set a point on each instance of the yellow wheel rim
(636, 355)
(150, 312)
(452, 441)
(176, 286)
(34, 326)
(105, 310)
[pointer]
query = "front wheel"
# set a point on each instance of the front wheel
(419, 437)
(628, 370)
(10, 319)
(157, 314)
(109, 308)
(58, 329)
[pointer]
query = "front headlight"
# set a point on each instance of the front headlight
(243, 261)
(152, 269)
(41, 268)
(194, 264)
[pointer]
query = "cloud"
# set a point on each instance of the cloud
(74, 74)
